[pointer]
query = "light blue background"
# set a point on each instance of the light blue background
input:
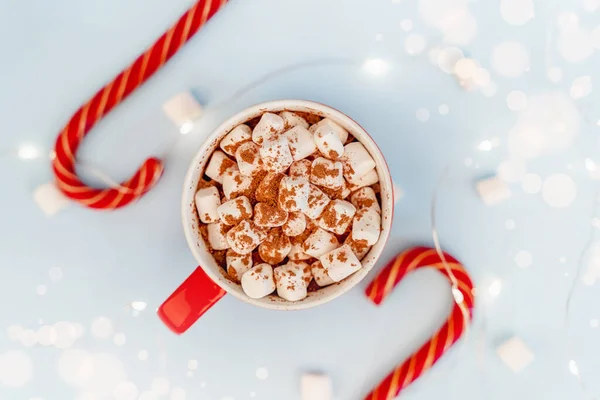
(56, 54)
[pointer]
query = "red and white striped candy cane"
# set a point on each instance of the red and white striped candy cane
(110, 96)
(410, 370)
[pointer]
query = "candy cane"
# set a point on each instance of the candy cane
(410, 260)
(110, 96)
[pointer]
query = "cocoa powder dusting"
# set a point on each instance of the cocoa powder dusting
(232, 148)
(225, 165)
(268, 189)
(342, 257)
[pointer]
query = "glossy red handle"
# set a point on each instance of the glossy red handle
(196, 295)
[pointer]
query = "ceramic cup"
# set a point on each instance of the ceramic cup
(209, 282)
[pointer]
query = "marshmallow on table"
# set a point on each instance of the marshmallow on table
(182, 109)
(207, 201)
(319, 243)
(297, 253)
(248, 159)
(327, 173)
(291, 120)
(275, 153)
(235, 184)
(340, 263)
(357, 161)
(268, 188)
(317, 201)
(269, 216)
(368, 179)
(320, 275)
(217, 236)
(341, 132)
(360, 248)
(294, 194)
(49, 199)
(292, 280)
(269, 125)
(515, 354)
(493, 190)
(367, 226)
(300, 168)
(237, 264)
(217, 166)
(316, 387)
(245, 237)
(337, 216)
(365, 198)
(295, 224)
(238, 135)
(301, 142)
(275, 248)
(258, 282)
(328, 141)
(234, 211)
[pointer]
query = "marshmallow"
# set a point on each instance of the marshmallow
(317, 201)
(269, 216)
(49, 199)
(515, 354)
(365, 198)
(360, 248)
(337, 216)
(248, 158)
(217, 166)
(269, 125)
(276, 155)
(368, 179)
(235, 184)
(316, 387)
(320, 275)
(329, 142)
(237, 264)
(292, 280)
(340, 263)
(327, 173)
(217, 236)
(268, 188)
(367, 226)
(245, 237)
(291, 120)
(240, 134)
(295, 224)
(301, 142)
(294, 194)
(275, 248)
(182, 109)
(357, 161)
(258, 282)
(319, 243)
(297, 253)
(234, 211)
(300, 169)
(207, 201)
(341, 132)
(493, 190)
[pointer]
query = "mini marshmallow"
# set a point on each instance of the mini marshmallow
(49, 199)
(493, 190)
(357, 161)
(248, 159)
(235, 184)
(515, 354)
(340, 263)
(317, 201)
(367, 226)
(328, 142)
(234, 211)
(237, 264)
(316, 387)
(240, 134)
(182, 109)
(295, 224)
(258, 282)
(294, 194)
(245, 237)
(217, 166)
(319, 243)
(360, 248)
(327, 173)
(297, 253)
(367, 179)
(320, 275)
(301, 142)
(276, 155)
(275, 248)
(365, 198)
(207, 201)
(269, 216)
(337, 217)
(300, 168)
(269, 125)
(268, 188)
(341, 132)
(292, 280)
(291, 120)
(217, 236)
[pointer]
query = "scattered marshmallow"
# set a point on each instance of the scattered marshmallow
(269, 125)
(207, 201)
(49, 199)
(337, 216)
(217, 166)
(301, 169)
(340, 263)
(292, 280)
(320, 275)
(237, 264)
(493, 190)
(328, 141)
(368, 179)
(295, 224)
(248, 159)
(297, 253)
(238, 135)
(235, 184)
(294, 194)
(275, 248)
(357, 161)
(269, 216)
(245, 237)
(182, 109)
(319, 243)
(317, 201)
(365, 198)
(341, 132)
(360, 248)
(217, 236)
(234, 211)
(367, 226)
(291, 120)
(327, 173)
(276, 155)
(316, 387)
(258, 282)
(515, 354)
(301, 142)
(268, 188)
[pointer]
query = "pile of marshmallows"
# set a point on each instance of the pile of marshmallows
(290, 197)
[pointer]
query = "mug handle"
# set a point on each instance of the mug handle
(196, 295)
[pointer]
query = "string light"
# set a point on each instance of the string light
(376, 66)
(186, 128)
(28, 152)
(495, 287)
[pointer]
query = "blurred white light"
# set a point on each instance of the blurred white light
(590, 164)
(28, 152)
(495, 287)
(573, 367)
(376, 66)
(139, 305)
(186, 128)
(594, 323)
(486, 145)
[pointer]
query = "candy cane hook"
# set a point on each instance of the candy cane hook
(109, 97)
